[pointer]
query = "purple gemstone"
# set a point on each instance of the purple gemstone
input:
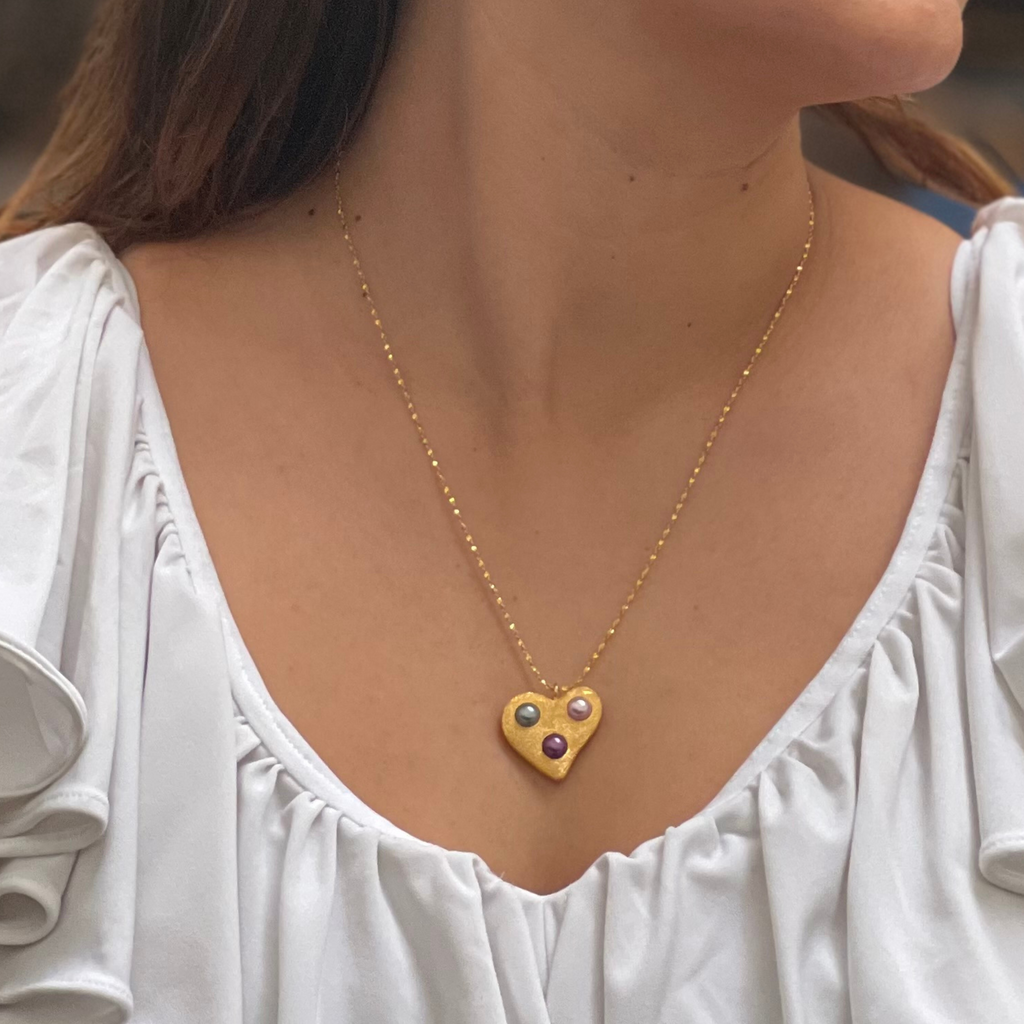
(579, 709)
(554, 745)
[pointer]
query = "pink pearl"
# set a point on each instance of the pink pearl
(579, 709)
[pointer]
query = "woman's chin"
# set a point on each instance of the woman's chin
(929, 56)
(902, 57)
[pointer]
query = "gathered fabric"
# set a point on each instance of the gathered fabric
(172, 851)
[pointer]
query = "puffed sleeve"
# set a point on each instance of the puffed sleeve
(70, 674)
(994, 579)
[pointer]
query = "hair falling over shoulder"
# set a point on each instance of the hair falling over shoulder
(183, 115)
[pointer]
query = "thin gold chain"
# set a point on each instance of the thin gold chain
(455, 506)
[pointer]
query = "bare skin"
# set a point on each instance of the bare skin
(569, 337)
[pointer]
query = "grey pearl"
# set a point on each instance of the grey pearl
(527, 715)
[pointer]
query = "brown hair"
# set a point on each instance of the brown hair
(183, 115)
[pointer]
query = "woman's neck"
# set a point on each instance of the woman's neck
(565, 217)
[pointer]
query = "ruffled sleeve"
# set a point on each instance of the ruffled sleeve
(994, 578)
(117, 762)
(69, 350)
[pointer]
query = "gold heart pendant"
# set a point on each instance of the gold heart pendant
(549, 733)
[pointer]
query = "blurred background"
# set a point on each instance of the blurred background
(983, 101)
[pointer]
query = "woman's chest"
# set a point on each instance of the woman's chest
(381, 643)
(368, 617)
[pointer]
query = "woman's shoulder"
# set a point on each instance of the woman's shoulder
(70, 345)
(62, 290)
(977, 467)
(890, 233)
(69, 326)
(974, 282)
(60, 260)
(992, 272)
(988, 304)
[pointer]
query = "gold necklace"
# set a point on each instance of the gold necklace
(549, 732)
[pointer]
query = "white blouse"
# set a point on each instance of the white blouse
(173, 852)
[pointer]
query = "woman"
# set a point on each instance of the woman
(574, 228)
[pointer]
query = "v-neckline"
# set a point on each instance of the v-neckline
(296, 755)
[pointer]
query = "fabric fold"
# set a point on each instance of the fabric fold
(43, 724)
(31, 889)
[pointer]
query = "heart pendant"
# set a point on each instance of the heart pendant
(549, 732)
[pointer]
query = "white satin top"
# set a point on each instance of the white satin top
(173, 852)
